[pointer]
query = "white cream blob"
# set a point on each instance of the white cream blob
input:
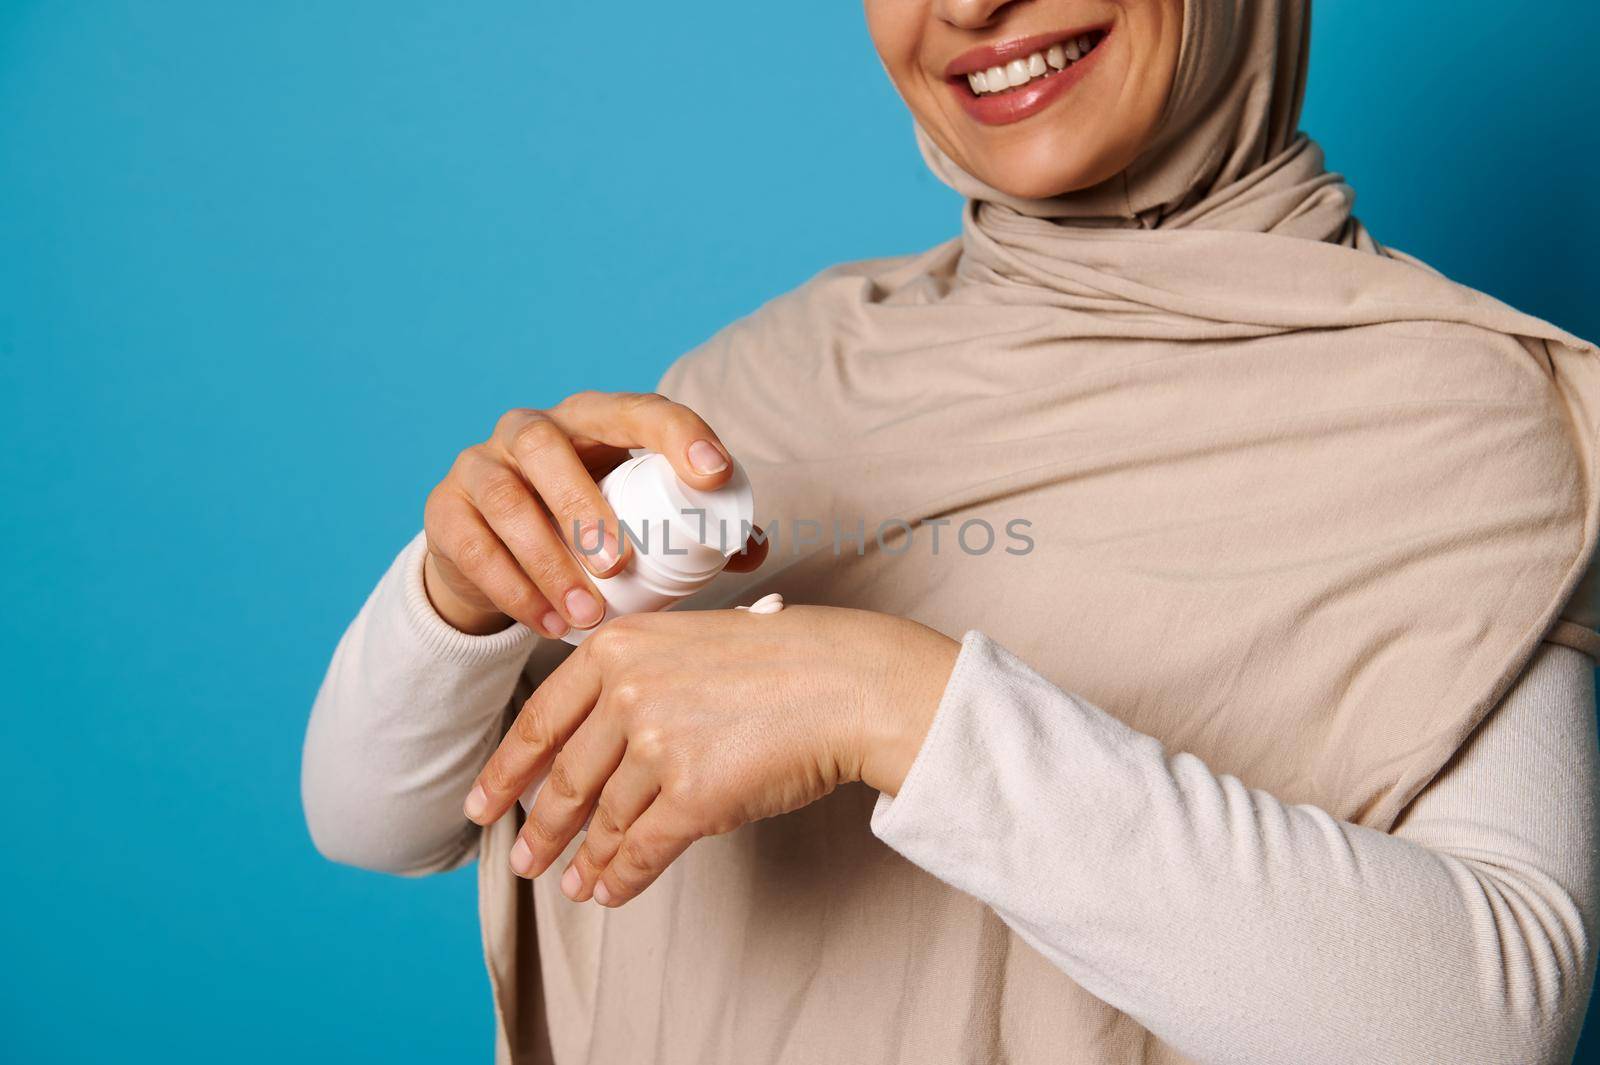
(767, 604)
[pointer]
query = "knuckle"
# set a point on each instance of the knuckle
(580, 398)
(635, 860)
(517, 598)
(682, 793)
(584, 861)
(571, 500)
(643, 402)
(435, 499)
(502, 497)
(649, 742)
(535, 436)
(533, 726)
(628, 694)
(495, 777)
(697, 808)
(688, 422)
(472, 554)
(553, 573)
(682, 417)
(560, 783)
(512, 418)
(603, 823)
(602, 852)
(611, 642)
(469, 459)
(437, 512)
(541, 832)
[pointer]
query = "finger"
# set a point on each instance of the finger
(462, 536)
(652, 843)
(577, 773)
(509, 505)
(551, 714)
(753, 554)
(551, 464)
(629, 792)
(599, 459)
(651, 421)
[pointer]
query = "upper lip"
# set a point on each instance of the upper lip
(998, 55)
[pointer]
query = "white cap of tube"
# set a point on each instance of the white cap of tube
(681, 537)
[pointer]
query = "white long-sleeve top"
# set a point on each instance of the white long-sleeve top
(1234, 926)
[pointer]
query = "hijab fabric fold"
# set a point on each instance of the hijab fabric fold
(1313, 507)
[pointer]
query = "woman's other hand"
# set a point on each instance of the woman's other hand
(497, 524)
(669, 727)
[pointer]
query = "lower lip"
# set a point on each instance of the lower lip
(1002, 109)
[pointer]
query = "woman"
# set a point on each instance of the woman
(1261, 744)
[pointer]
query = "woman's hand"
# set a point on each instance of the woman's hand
(497, 524)
(673, 726)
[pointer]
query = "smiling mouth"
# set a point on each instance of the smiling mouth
(1029, 69)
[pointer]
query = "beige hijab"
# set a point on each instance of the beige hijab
(1311, 505)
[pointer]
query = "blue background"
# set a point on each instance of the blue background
(265, 268)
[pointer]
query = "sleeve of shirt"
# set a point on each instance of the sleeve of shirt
(408, 713)
(1239, 928)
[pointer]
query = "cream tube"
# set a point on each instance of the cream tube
(681, 537)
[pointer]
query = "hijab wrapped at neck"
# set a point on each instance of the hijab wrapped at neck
(1310, 508)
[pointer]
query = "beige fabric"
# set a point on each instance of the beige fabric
(1312, 505)
(1570, 634)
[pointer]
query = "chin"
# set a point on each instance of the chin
(1040, 171)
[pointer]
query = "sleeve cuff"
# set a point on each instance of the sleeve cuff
(437, 636)
(925, 783)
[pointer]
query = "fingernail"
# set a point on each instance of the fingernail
(554, 625)
(571, 882)
(601, 895)
(705, 458)
(477, 802)
(521, 858)
(599, 546)
(582, 608)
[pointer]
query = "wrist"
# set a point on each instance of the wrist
(458, 613)
(896, 724)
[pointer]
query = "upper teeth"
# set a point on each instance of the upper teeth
(1021, 71)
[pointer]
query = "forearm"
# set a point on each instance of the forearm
(1241, 929)
(406, 715)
